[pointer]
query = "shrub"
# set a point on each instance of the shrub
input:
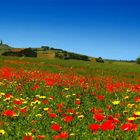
(138, 60)
(99, 59)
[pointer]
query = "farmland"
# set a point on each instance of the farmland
(68, 99)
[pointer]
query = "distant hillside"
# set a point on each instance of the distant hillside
(4, 47)
(42, 52)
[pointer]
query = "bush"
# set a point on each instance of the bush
(100, 60)
(138, 60)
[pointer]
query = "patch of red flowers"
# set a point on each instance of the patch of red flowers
(8, 95)
(128, 127)
(52, 115)
(9, 113)
(98, 117)
(62, 135)
(100, 97)
(44, 101)
(23, 110)
(107, 125)
(27, 138)
(68, 118)
(137, 99)
(17, 102)
(55, 127)
(93, 127)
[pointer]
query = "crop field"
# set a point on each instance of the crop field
(68, 99)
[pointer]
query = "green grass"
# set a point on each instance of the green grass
(77, 85)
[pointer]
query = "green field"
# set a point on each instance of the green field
(68, 99)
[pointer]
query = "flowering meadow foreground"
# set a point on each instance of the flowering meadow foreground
(40, 104)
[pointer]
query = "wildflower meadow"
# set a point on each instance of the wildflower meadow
(67, 99)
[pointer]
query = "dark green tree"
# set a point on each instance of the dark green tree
(45, 48)
(1, 42)
(138, 60)
(99, 59)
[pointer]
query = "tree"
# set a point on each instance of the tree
(45, 48)
(99, 59)
(138, 60)
(1, 42)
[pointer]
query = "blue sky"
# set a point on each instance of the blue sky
(106, 28)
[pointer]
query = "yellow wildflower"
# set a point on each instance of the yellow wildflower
(115, 102)
(53, 122)
(24, 102)
(131, 119)
(1, 83)
(37, 95)
(126, 97)
(38, 115)
(80, 117)
(28, 134)
(130, 105)
(46, 109)
(67, 96)
(2, 93)
(2, 132)
(128, 90)
(137, 113)
(42, 97)
(66, 89)
(72, 134)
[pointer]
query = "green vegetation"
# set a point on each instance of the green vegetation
(138, 60)
(70, 99)
(100, 60)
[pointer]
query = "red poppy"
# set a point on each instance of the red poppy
(59, 105)
(27, 138)
(100, 97)
(8, 95)
(17, 102)
(113, 120)
(98, 117)
(63, 135)
(126, 127)
(93, 127)
(70, 111)
(44, 101)
(108, 107)
(51, 98)
(52, 115)
(55, 127)
(107, 125)
(64, 115)
(59, 110)
(134, 127)
(117, 115)
(137, 99)
(35, 99)
(23, 110)
(93, 93)
(9, 113)
(68, 118)
(15, 108)
(77, 102)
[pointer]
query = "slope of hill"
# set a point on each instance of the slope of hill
(4, 48)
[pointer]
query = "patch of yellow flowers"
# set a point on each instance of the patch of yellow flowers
(115, 102)
(2, 132)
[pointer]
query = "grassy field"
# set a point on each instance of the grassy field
(68, 99)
